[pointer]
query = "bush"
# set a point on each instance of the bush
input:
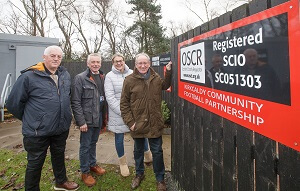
(166, 113)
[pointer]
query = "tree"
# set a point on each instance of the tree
(211, 8)
(176, 28)
(146, 28)
(59, 8)
(36, 11)
(25, 17)
(11, 24)
(108, 18)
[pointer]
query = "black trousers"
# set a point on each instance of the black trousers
(36, 148)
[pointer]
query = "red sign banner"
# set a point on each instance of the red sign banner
(247, 72)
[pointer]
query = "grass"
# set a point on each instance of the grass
(13, 165)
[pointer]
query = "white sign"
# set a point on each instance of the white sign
(192, 63)
(155, 61)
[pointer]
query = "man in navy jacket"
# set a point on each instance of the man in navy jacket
(41, 99)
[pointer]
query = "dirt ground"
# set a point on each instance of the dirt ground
(11, 138)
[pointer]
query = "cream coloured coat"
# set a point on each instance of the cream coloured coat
(113, 88)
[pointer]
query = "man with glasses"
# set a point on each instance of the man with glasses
(89, 109)
(141, 111)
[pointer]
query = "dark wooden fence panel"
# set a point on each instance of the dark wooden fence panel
(217, 137)
(256, 6)
(230, 156)
(198, 136)
(176, 129)
(75, 68)
(245, 159)
(244, 140)
(289, 169)
(265, 155)
(189, 144)
(229, 171)
(277, 2)
(199, 148)
(183, 131)
(207, 151)
(264, 148)
(218, 154)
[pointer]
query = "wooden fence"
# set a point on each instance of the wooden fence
(212, 153)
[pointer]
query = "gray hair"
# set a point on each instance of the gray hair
(93, 54)
(117, 54)
(142, 54)
(50, 48)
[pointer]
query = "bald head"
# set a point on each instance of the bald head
(251, 57)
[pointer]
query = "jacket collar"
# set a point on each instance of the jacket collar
(40, 69)
(137, 74)
(88, 74)
(114, 70)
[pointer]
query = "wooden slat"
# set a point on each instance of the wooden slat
(188, 146)
(217, 151)
(277, 2)
(199, 149)
(256, 6)
(289, 169)
(207, 151)
(229, 157)
(198, 137)
(240, 12)
(245, 160)
(265, 152)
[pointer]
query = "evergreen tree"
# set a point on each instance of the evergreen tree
(146, 28)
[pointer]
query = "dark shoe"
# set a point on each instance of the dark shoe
(137, 181)
(161, 186)
(88, 179)
(67, 186)
(98, 170)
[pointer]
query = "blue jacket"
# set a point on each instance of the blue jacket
(43, 108)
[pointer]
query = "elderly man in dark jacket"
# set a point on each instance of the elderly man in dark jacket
(41, 99)
(89, 108)
(141, 111)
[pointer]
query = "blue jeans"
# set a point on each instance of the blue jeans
(157, 153)
(36, 148)
(119, 144)
(87, 150)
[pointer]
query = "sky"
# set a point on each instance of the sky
(176, 10)
(171, 10)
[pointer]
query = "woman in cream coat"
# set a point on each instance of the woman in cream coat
(113, 87)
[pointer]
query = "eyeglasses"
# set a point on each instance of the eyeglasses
(53, 56)
(143, 63)
(118, 61)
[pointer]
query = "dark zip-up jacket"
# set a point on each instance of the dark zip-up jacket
(43, 108)
(86, 100)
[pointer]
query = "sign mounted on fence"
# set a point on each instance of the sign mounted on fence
(155, 61)
(161, 60)
(247, 72)
(164, 59)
